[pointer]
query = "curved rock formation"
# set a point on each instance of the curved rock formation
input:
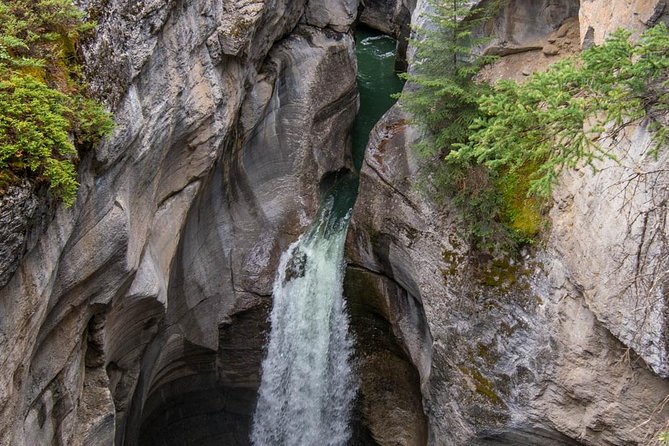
(150, 295)
(566, 346)
(139, 316)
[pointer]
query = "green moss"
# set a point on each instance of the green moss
(453, 260)
(500, 272)
(483, 386)
(522, 213)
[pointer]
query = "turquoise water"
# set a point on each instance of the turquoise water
(377, 81)
(308, 384)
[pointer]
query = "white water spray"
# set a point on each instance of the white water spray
(307, 386)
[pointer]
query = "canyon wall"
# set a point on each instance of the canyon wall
(139, 315)
(150, 295)
(564, 346)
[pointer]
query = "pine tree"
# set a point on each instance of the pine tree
(496, 151)
(442, 94)
(556, 119)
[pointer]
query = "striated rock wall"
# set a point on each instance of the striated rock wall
(152, 291)
(565, 347)
(139, 315)
(17, 207)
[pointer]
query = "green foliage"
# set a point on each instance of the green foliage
(519, 137)
(44, 111)
(445, 97)
(556, 119)
(663, 438)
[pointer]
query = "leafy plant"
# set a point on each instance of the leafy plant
(556, 119)
(44, 111)
(501, 148)
(663, 438)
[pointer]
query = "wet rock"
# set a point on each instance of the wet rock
(391, 17)
(17, 207)
(296, 266)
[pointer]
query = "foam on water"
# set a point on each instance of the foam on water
(307, 386)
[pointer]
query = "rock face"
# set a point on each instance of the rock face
(507, 353)
(150, 295)
(388, 16)
(391, 17)
(17, 208)
(566, 346)
(599, 18)
(138, 316)
(521, 23)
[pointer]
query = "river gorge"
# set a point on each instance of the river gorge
(250, 259)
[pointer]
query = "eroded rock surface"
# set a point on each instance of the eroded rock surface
(17, 207)
(565, 346)
(139, 315)
(151, 294)
(511, 353)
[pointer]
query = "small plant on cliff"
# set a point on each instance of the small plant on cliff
(44, 110)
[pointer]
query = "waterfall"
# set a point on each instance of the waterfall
(307, 386)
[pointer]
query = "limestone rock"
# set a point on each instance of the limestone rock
(564, 346)
(228, 115)
(387, 16)
(599, 18)
(336, 15)
(513, 353)
(619, 252)
(525, 22)
(17, 206)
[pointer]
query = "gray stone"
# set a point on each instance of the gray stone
(337, 15)
(227, 117)
(17, 207)
(513, 350)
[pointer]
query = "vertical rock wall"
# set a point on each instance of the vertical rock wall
(564, 347)
(152, 291)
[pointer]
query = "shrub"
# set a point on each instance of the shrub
(44, 111)
(500, 159)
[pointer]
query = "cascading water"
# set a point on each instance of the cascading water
(308, 387)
